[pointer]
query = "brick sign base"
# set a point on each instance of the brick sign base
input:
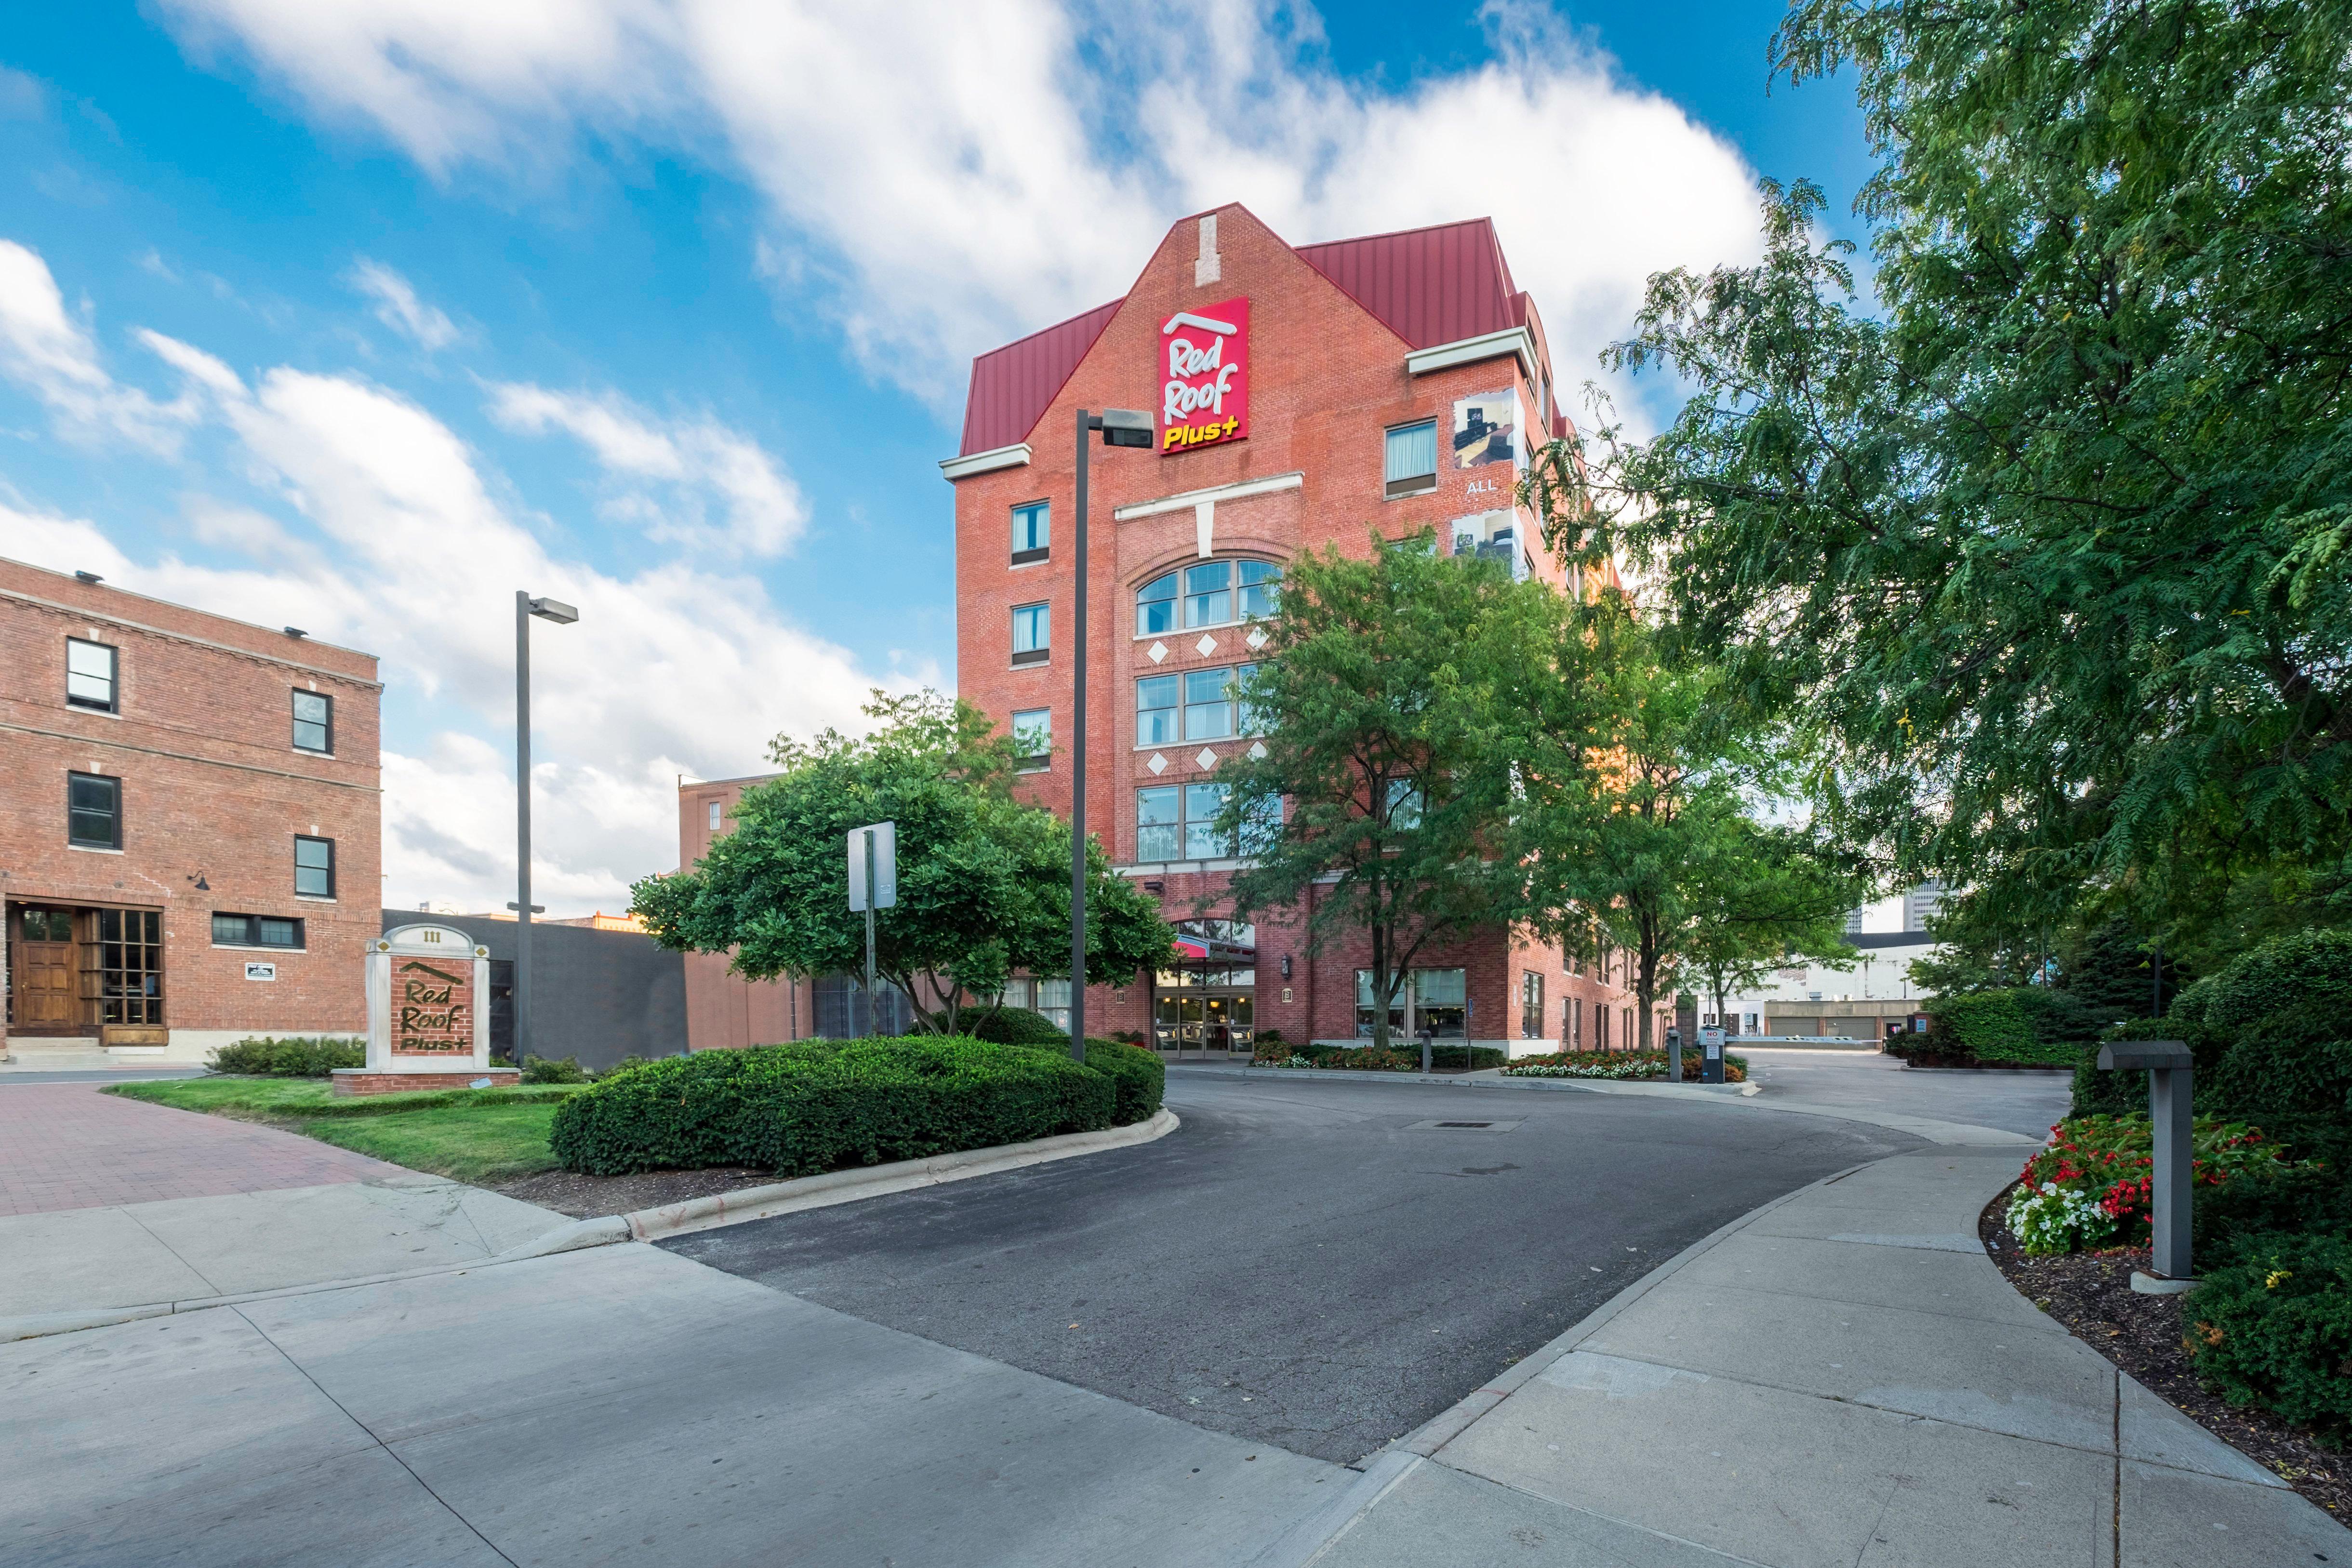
(359, 1080)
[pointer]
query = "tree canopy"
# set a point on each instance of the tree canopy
(2049, 544)
(983, 880)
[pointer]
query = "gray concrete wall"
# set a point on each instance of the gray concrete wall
(599, 996)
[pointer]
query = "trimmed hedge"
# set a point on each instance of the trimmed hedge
(1017, 1027)
(2026, 1026)
(1622, 1065)
(2275, 1328)
(302, 1056)
(1403, 1056)
(814, 1106)
(1139, 1078)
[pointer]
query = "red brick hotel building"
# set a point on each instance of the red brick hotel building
(1303, 396)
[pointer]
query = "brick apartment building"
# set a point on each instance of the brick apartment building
(1302, 397)
(190, 848)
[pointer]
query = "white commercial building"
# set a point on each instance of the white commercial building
(1860, 1003)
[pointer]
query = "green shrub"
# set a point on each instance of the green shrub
(2027, 1026)
(2275, 1328)
(1017, 1027)
(554, 1069)
(296, 1055)
(1138, 1076)
(819, 1105)
(1621, 1065)
(1269, 1036)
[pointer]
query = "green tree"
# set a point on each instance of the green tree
(1385, 776)
(1768, 895)
(983, 880)
(2052, 543)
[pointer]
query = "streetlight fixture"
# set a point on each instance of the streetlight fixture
(562, 615)
(1120, 428)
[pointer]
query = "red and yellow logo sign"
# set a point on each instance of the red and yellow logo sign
(1204, 395)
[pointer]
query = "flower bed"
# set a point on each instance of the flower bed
(1620, 1065)
(2091, 1187)
(1445, 1056)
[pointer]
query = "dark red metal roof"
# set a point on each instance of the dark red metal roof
(1429, 286)
(1013, 386)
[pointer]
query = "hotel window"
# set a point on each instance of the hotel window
(1412, 462)
(1031, 636)
(90, 669)
(1208, 704)
(1571, 1023)
(1404, 806)
(1156, 701)
(1159, 823)
(1531, 1007)
(1441, 1001)
(131, 966)
(1201, 840)
(1212, 592)
(1601, 1029)
(1053, 1000)
(314, 723)
(1032, 525)
(93, 811)
(714, 810)
(1032, 740)
(256, 931)
(314, 866)
(1261, 822)
(1247, 721)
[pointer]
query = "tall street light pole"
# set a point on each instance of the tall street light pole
(1120, 427)
(562, 615)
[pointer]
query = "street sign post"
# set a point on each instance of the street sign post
(873, 885)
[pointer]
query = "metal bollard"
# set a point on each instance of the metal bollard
(2169, 1070)
(1710, 1045)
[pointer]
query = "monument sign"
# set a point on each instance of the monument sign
(428, 1021)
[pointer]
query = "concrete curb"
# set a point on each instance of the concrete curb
(1749, 1095)
(1384, 1468)
(648, 1224)
(874, 1181)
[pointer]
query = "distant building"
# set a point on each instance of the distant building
(1875, 996)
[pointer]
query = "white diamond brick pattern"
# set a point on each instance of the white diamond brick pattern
(1257, 750)
(1207, 759)
(1207, 645)
(1257, 638)
(1156, 652)
(1158, 764)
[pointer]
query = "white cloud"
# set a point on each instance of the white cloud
(397, 306)
(402, 550)
(942, 188)
(51, 355)
(690, 459)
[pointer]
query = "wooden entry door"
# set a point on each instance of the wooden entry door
(48, 999)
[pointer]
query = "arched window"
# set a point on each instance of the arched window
(1211, 593)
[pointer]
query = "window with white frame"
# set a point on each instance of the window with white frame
(1208, 704)
(714, 808)
(1032, 526)
(1179, 821)
(1158, 701)
(1032, 635)
(1411, 465)
(91, 671)
(1032, 740)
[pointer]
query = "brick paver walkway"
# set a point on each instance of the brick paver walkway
(66, 1146)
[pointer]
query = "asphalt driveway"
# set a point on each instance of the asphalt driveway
(1313, 1264)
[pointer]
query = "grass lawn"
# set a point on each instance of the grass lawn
(468, 1134)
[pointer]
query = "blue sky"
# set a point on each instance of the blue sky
(360, 316)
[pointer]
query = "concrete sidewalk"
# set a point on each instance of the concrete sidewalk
(1838, 1380)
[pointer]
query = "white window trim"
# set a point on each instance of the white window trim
(94, 849)
(1016, 456)
(1515, 341)
(1186, 500)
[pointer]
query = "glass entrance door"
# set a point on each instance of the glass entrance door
(1207, 1005)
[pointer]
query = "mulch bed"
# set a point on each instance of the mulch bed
(586, 1197)
(2091, 1293)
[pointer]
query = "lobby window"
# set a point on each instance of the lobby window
(314, 723)
(1032, 740)
(1441, 998)
(1159, 823)
(1571, 1023)
(130, 965)
(1032, 526)
(93, 811)
(314, 866)
(91, 671)
(1031, 636)
(1531, 1005)
(1601, 1027)
(1412, 459)
(256, 931)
